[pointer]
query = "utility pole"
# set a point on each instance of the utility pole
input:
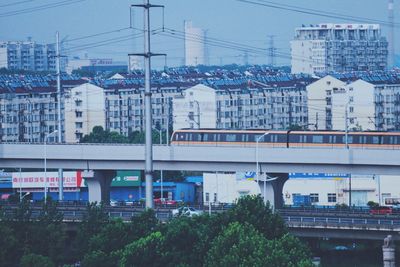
(148, 112)
(58, 67)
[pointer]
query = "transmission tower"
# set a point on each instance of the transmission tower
(271, 50)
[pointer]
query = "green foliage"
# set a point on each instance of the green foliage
(252, 210)
(92, 223)
(10, 251)
(99, 135)
(372, 204)
(145, 252)
(98, 259)
(34, 260)
(249, 234)
(287, 251)
(238, 245)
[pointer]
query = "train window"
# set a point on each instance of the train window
(182, 137)
(196, 137)
(317, 139)
(294, 138)
(205, 137)
(218, 137)
(189, 137)
(350, 139)
(375, 140)
(281, 138)
(230, 138)
(332, 139)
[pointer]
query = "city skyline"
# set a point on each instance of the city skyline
(81, 18)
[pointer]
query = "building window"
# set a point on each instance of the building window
(314, 197)
(78, 125)
(207, 197)
(215, 197)
(331, 197)
(351, 109)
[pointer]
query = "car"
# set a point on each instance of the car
(164, 201)
(382, 210)
(186, 211)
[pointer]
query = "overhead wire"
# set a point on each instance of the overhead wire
(316, 12)
(39, 8)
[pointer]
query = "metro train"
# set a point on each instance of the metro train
(288, 139)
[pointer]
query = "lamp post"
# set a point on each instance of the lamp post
(160, 133)
(257, 141)
(20, 185)
(198, 113)
(265, 186)
(45, 163)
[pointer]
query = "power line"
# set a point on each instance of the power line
(16, 3)
(315, 12)
(39, 8)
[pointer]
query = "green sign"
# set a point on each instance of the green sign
(126, 178)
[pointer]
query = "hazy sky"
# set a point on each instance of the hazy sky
(229, 20)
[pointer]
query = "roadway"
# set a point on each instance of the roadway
(202, 158)
(343, 224)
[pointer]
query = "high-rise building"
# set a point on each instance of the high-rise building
(339, 47)
(195, 45)
(27, 55)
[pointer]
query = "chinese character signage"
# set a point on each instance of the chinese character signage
(37, 179)
(126, 178)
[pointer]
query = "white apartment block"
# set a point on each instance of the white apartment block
(84, 109)
(338, 47)
(265, 107)
(116, 107)
(319, 102)
(27, 55)
(372, 103)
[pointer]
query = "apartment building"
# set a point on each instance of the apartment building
(29, 106)
(28, 55)
(243, 104)
(372, 101)
(338, 47)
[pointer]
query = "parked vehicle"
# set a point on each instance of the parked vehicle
(164, 201)
(186, 211)
(382, 210)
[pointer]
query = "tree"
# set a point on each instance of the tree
(287, 251)
(238, 245)
(252, 210)
(99, 135)
(10, 250)
(145, 252)
(34, 260)
(98, 259)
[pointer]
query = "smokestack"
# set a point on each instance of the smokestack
(391, 58)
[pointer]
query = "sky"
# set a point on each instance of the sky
(226, 20)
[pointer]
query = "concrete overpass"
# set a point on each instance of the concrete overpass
(106, 158)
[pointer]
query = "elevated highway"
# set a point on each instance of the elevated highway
(202, 158)
(105, 159)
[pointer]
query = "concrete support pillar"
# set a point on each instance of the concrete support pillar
(273, 189)
(99, 183)
(388, 249)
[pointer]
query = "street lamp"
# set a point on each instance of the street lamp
(45, 163)
(257, 141)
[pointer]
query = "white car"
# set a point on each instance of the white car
(186, 211)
